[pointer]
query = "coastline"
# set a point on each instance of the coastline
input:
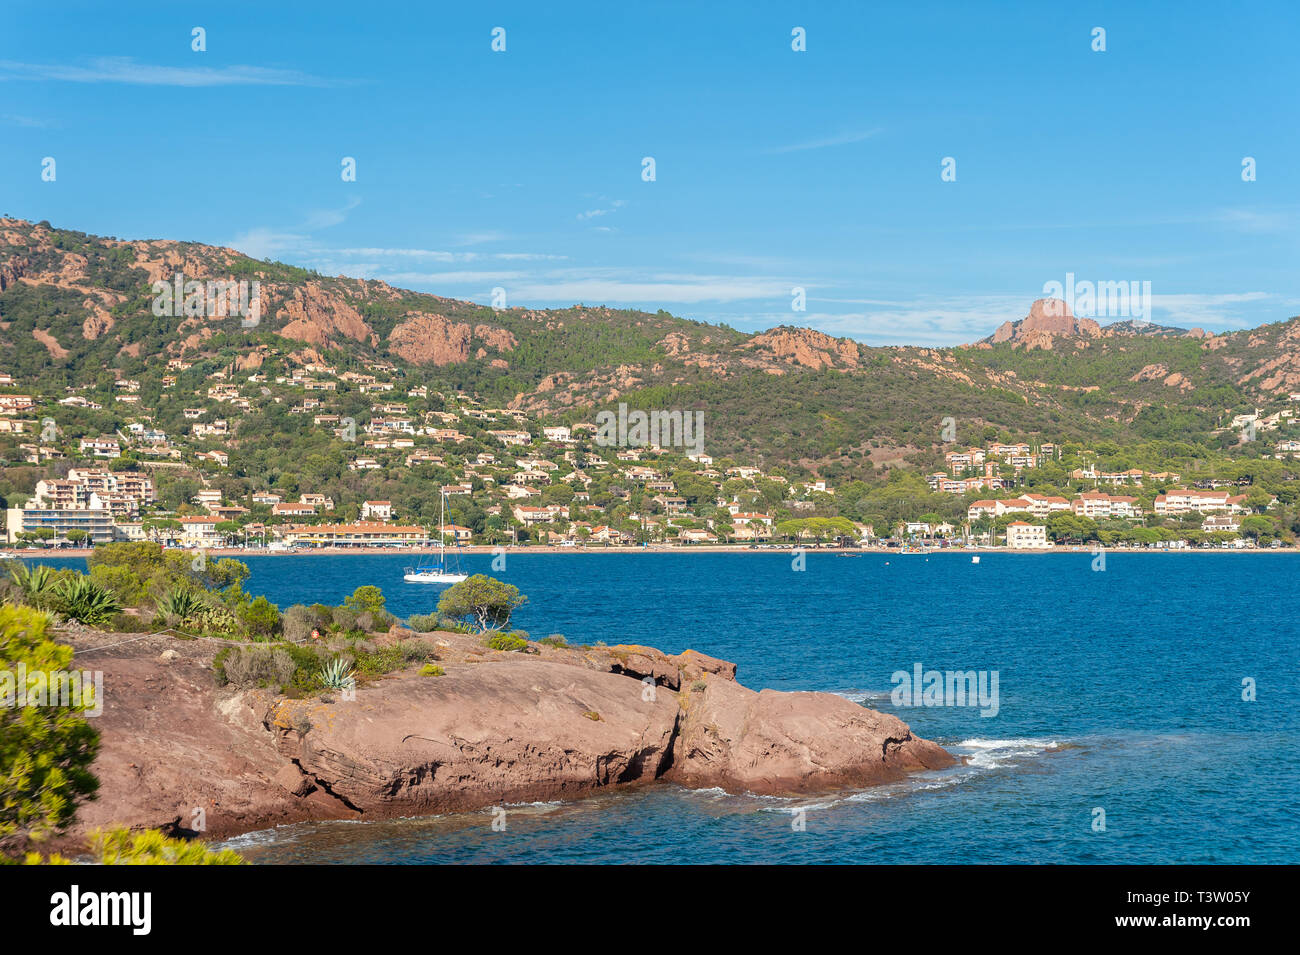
(408, 744)
(476, 549)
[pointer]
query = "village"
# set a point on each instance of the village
(517, 480)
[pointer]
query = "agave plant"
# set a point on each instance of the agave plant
(195, 610)
(35, 583)
(182, 603)
(335, 675)
(87, 601)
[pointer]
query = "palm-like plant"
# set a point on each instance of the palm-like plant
(195, 610)
(35, 583)
(335, 675)
(87, 601)
(181, 603)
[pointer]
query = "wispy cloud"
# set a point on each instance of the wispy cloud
(1216, 310)
(842, 139)
(619, 286)
(560, 287)
(28, 122)
(121, 69)
(613, 207)
(441, 255)
(1254, 221)
(264, 242)
(481, 238)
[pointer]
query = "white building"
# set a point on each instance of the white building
(1021, 535)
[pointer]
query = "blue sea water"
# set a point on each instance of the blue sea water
(1119, 690)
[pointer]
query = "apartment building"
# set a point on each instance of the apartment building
(1022, 535)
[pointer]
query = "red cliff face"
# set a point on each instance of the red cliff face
(1048, 318)
(497, 727)
(424, 339)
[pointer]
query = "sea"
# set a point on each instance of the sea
(1147, 711)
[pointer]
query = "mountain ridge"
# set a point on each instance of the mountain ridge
(74, 307)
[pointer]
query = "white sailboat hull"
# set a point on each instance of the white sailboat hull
(432, 577)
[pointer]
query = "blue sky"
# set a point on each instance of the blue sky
(774, 168)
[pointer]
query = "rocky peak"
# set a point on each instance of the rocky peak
(807, 347)
(1048, 318)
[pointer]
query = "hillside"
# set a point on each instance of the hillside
(75, 312)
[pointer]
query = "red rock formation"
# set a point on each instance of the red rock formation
(804, 346)
(424, 339)
(320, 318)
(496, 728)
(1047, 318)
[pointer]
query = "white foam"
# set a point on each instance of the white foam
(861, 696)
(991, 753)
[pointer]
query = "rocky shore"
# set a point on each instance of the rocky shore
(179, 752)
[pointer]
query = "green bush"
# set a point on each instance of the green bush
(345, 619)
(120, 846)
(366, 599)
(432, 669)
(260, 617)
(554, 640)
(379, 661)
(297, 623)
(505, 641)
(255, 666)
(129, 623)
(46, 752)
(415, 651)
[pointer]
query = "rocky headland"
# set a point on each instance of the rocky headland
(495, 728)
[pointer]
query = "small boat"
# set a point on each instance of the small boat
(975, 559)
(431, 574)
(437, 573)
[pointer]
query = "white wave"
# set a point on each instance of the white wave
(539, 806)
(793, 805)
(280, 835)
(861, 696)
(711, 791)
(991, 753)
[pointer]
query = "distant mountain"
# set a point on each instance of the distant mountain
(1050, 319)
(76, 313)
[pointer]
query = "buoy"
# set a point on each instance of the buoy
(975, 559)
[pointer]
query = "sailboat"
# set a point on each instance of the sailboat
(438, 573)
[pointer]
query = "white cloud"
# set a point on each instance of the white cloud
(843, 139)
(265, 242)
(122, 69)
(613, 207)
(28, 122)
